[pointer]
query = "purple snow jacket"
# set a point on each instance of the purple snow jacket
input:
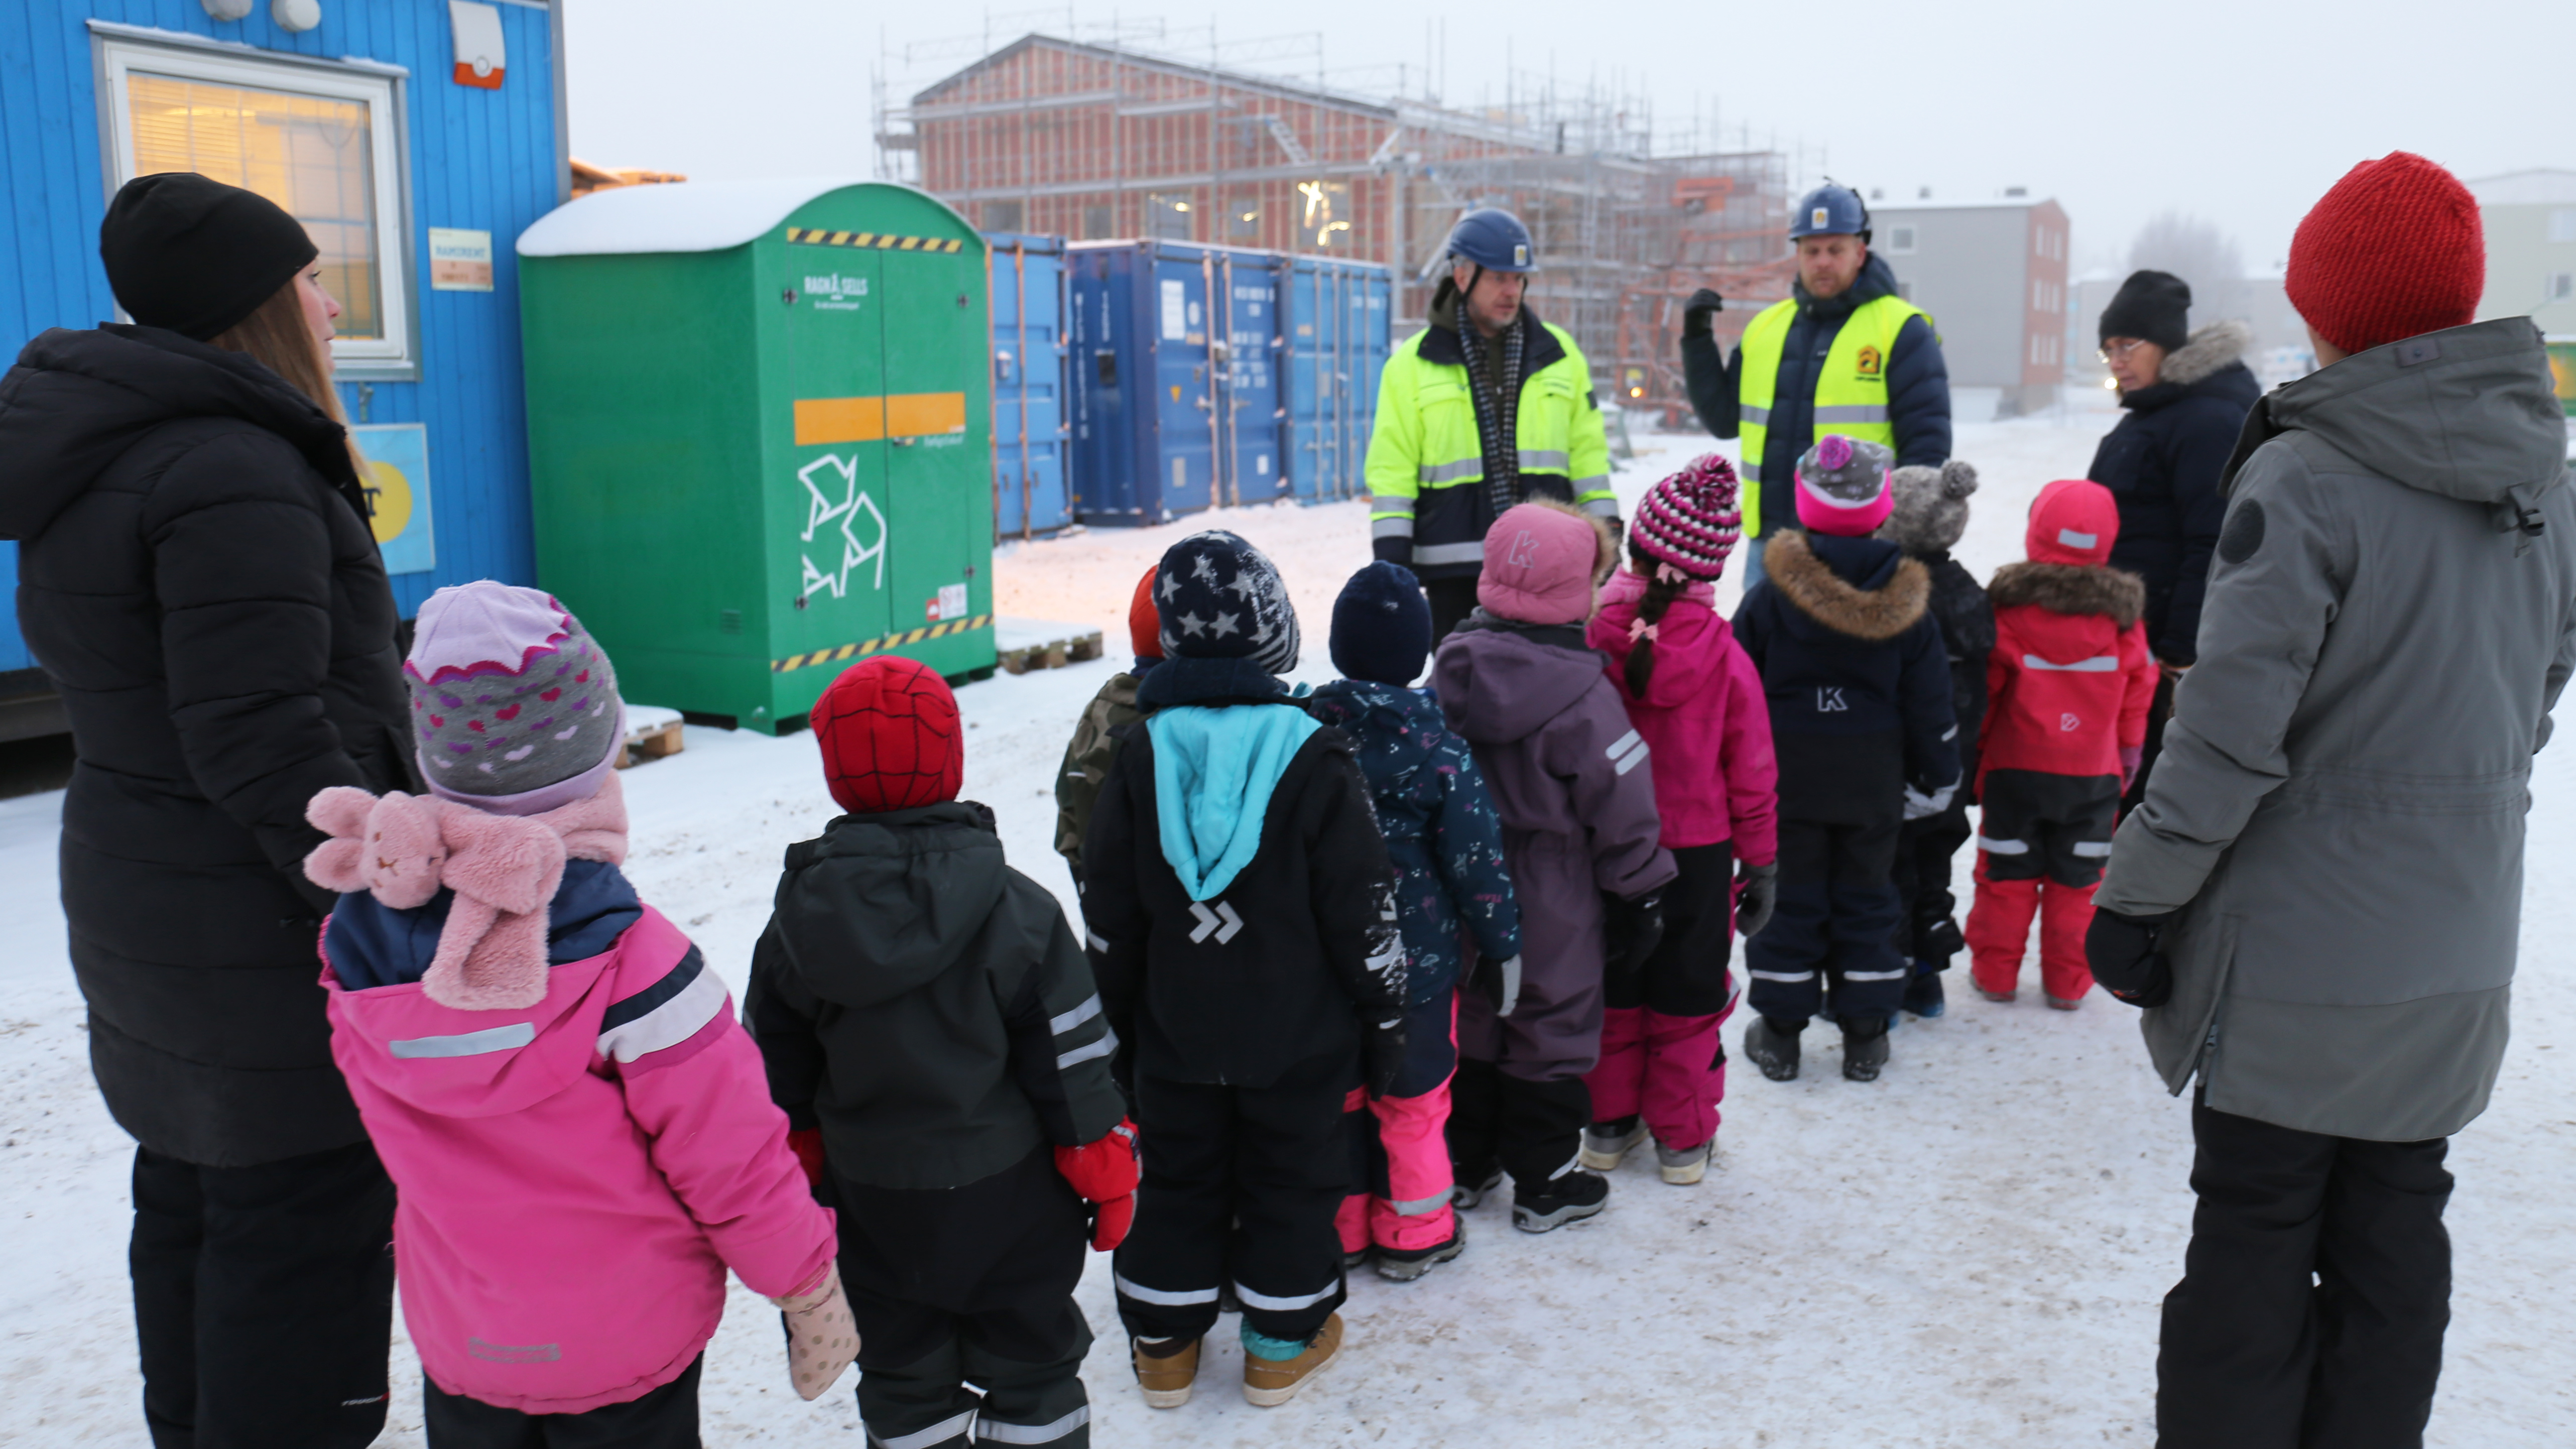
(1567, 773)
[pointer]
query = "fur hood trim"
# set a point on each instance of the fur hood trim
(1822, 595)
(2070, 589)
(2212, 350)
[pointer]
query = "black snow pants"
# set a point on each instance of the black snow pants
(1531, 1130)
(263, 1299)
(1835, 924)
(1927, 927)
(2314, 1294)
(664, 1418)
(1241, 1185)
(969, 1285)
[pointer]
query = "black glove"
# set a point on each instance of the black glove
(1757, 890)
(1631, 929)
(1382, 1044)
(2122, 952)
(1499, 982)
(1703, 304)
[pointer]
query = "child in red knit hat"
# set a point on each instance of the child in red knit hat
(1095, 739)
(933, 1033)
(2067, 690)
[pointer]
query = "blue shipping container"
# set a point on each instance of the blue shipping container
(1338, 316)
(1029, 432)
(414, 180)
(1175, 409)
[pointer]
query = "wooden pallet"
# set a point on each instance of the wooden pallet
(651, 733)
(1026, 644)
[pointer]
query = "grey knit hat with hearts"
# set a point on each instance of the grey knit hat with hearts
(513, 704)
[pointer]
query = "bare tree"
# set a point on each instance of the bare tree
(2194, 250)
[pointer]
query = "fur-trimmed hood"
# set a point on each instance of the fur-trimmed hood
(1887, 608)
(2070, 589)
(2211, 349)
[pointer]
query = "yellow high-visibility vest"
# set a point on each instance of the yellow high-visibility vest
(1851, 392)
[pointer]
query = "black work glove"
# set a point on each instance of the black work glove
(1382, 1045)
(1757, 890)
(1632, 928)
(1499, 982)
(2122, 952)
(1703, 304)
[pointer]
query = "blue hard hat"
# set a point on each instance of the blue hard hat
(1830, 210)
(1495, 240)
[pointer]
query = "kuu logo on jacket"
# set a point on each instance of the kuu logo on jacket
(1829, 699)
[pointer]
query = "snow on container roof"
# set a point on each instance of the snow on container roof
(680, 216)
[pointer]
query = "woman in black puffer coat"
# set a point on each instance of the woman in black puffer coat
(2186, 395)
(197, 575)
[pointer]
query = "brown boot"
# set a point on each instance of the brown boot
(1268, 1383)
(1166, 1376)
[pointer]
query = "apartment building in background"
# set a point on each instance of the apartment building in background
(1993, 276)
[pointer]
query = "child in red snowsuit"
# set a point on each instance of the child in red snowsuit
(2067, 686)
(1695, 698)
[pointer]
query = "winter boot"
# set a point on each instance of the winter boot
(1354, 1257)
(1864, 1051)
(1473, 1184)
(1403, 1265)
(1773, 1050)
(1685, 1166)
(1605, 1143)
(1570, 1198)
(1923, 994)
(1268, 1383)
(2060, 1003)
(1165, 1370)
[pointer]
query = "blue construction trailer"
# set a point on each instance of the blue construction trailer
(414, 138)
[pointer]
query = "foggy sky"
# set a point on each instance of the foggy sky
(2242, 113)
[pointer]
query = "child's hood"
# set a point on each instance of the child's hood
(1498, 684)
(2073, 521)
(1385, 722)
(881, 904)
(1215, 769)
(646, 988)
(1690, 640)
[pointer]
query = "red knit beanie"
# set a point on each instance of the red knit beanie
(1144, 624)
(2394, 250)
(888, 728)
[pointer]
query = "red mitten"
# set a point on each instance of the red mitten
(1104, 1173)
(808, 1147)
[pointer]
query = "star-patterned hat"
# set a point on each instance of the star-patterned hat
(1221, 598)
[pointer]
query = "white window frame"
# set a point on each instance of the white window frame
(378, 88)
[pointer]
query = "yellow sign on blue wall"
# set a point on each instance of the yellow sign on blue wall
(397, 484)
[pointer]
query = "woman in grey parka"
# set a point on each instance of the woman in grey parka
(2319, 899)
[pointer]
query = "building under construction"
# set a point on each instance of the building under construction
(1097, 140)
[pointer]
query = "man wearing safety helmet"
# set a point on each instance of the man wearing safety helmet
(1485, 408)
(1844, 354)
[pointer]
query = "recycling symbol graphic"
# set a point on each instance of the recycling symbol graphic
(821, 510)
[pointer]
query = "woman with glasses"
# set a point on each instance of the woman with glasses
(2185, 395)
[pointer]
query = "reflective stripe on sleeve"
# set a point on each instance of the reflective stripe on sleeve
(1391, 527)
(1601, 507)
(1389, 503)
(1450, 472)
(1095, 940)
(1451, 553)
(1059, 1025)
(1108, 1043)
(1544, 460)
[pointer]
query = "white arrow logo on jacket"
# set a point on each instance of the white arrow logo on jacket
(1221, 922)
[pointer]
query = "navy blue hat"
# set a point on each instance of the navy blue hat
(1218, 597)
(1382, 625)
(1495, 240)
(1830, 210)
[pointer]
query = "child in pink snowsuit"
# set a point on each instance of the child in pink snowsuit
(1696, 699)
(580, 1132)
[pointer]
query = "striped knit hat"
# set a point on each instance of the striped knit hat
(513, 705)
(1690, 520)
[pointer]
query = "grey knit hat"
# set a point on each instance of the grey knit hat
(1931, 507)
(514, 706)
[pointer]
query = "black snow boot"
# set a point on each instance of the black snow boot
(1570, 1197)
(1774, 1048)
(1864, 1050)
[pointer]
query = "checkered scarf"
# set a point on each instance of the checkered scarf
(1496, 410)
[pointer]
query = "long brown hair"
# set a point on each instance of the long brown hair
(1663, 585)
(276, 336)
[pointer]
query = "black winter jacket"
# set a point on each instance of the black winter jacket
(1967, 623)
(2162, 463)
(1857, 674)
(196, 574)
(1288, 960)
(1918, 388)
(925, 1004)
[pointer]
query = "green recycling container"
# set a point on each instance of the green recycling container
(759, 418)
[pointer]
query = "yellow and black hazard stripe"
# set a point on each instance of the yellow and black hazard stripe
(879, 241)
(836, 653)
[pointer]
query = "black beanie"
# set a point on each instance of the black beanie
(2150, 306)
(189, 253)
(1381, 625)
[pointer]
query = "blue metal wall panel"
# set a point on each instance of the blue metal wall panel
(1029, 361)
(1337, 345)
(477, 159)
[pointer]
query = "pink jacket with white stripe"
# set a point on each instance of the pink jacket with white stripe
(575, 1175)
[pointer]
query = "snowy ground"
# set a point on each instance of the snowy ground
(1969, 1252)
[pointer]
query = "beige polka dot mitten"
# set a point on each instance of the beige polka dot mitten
(822, 1337)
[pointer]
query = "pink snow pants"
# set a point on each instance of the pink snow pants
(1668, 1069)
(1414, 1131)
